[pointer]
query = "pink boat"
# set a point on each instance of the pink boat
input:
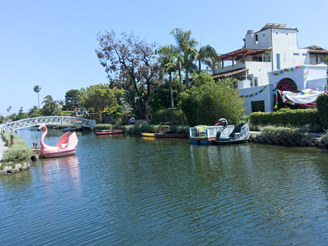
(66, 145)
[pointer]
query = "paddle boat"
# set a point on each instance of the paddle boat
(108, 132)
(238, 135)
(165, 132)
(66, 145)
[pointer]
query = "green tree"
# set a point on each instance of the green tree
(207, 54)
(207, 101)
(72, 97)
(37, 89)
(168, 65)
(230, 82)
(50, 106)
(187, 49)
(160, 98)
(97, 97)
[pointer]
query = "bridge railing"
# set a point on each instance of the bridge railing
(49, 120)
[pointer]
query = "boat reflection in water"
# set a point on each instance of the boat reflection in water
(63, 169)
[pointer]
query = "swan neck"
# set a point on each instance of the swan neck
(42, 138)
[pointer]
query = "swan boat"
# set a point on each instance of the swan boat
(66, 145)
(238, 135)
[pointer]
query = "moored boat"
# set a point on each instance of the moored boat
(238, 135)
(148, 135)
(108, 132)
(171, 135)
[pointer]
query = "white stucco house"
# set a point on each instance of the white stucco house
(267, 57)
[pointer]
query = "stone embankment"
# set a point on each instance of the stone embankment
(11, 168)
(300, 141)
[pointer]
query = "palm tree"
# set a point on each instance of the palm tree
(207, 55)
(187, 48)
(48, 101)
(37, 89)
(168, 64)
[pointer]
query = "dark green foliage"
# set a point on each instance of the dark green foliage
(322, 105)
(72, 97)
(169, 115)
(286, 117)
(205, 104)
(160, 98)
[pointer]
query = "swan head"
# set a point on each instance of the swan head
(41, 126)
(222, 121)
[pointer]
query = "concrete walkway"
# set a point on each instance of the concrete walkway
(3, 147)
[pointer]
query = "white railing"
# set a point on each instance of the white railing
(212, 130)
(48, 120)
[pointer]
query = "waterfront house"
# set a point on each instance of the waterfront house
(273, 48)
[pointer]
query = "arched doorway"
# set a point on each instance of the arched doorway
(286, 84)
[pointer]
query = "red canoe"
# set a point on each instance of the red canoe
(109, 132)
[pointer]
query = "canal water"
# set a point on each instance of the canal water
(121, 190)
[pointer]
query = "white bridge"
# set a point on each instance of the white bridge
(48, 120)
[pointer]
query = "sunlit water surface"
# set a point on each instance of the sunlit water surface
(121, 190)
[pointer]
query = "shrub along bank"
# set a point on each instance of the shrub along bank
(140, 128)
(286, 117)
(288, 136)
(17, 153)
(322, 104)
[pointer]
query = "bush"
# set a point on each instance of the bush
(66, 113)
(166, 115)
(286, 133)
(17, 152)
(286, 117)
(6, 137)
(206, 102)
(322, 105)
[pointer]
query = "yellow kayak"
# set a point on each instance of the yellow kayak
(148, 135)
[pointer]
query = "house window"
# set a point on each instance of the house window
(256, 39)
(278, 60)
(277, 33)
(258, 106)
(286, 33)
(296, 54)
(321, 59)
(304, 54)
(255, 81)
(263, 34)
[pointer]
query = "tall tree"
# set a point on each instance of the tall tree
(133, 61)
(207, 55)
(50, 105)
(37, 89)
(72, 98)
(187, 47)
(168, 65)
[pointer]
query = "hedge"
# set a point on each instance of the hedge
(322, 104)
(286, 117)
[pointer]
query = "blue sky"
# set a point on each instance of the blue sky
(51, 43)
